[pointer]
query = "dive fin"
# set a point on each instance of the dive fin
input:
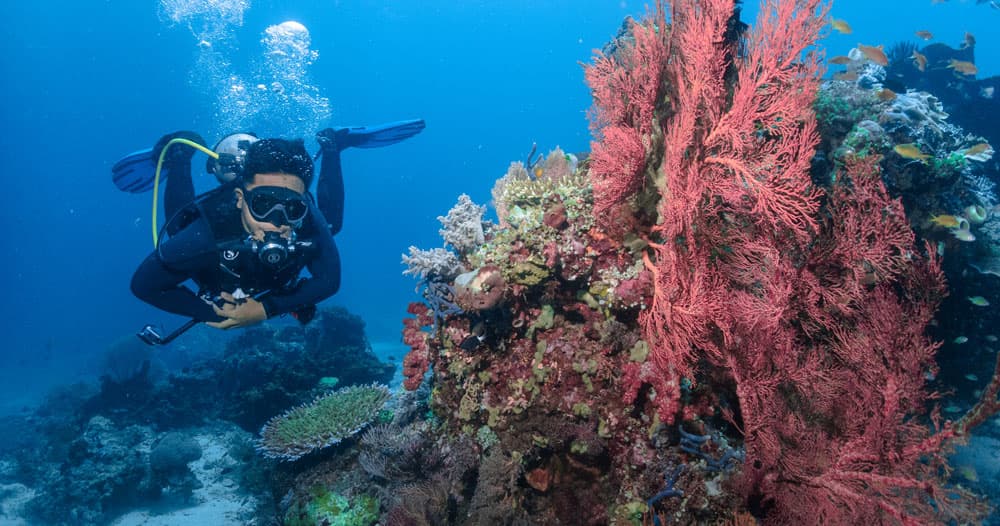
(135, 172)
(381, 134)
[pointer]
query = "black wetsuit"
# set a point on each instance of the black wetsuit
(206, 245)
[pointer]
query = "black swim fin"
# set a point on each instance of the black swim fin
(135, 172)
(380, 135)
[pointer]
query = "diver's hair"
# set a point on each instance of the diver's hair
(278, 156)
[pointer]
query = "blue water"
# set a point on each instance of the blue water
(87, 82)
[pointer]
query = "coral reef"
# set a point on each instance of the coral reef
(724, 315)
(168, 463)
(110, 469)
(333, 509)
(171, 441)
(261, 372)
(321, 423)
(701, 275)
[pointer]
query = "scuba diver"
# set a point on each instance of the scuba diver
(245, 243)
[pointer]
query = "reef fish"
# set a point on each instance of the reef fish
(841, 26)
(874, 54)
(924, 35)
(885, 95)
(962, 234)
(968, 473)
(968, 41)
(977, 149)
(919, 60)
(947, 221)
(910, 151)
(962, 66)
(840, 60)
(849, 76)
(960, 340)
(979, 301)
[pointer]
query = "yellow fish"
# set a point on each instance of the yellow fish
(964, 67)
(846, 75)
(910, 151)
(885, 95)
(841, 26)
(946, 221)
(977, 149)
(979, 301)
(968, 473)
(874, 54)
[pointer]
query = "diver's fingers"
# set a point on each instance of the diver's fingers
(227, 297)
(226, 311)
(224, 324)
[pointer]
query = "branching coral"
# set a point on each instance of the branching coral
(462, 228)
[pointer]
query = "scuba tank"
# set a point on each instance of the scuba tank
(232, 155)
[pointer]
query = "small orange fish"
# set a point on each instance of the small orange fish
(946, 221)
(977, 149)
(968, 41)
(538, 172)
(840, 60)
(874, 54)
(885, 95)
(849, 76)
(924, 35)
(962, 66)
(919, 60)
(841, 26)
(910, 151)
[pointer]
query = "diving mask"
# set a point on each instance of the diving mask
(276, 205)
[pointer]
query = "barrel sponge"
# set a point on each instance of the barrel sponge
(323, 422)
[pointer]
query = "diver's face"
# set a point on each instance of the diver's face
(256, 228)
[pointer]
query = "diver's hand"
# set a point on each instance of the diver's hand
(178, 153)
(332, 139)
(238, 313)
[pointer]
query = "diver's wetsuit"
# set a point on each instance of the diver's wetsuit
(194, 252)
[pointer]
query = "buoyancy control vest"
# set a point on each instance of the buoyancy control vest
(243, 263)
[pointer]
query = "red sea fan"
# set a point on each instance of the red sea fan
(626, 84)
(418, 360)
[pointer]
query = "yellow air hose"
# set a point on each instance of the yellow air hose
(156, 180)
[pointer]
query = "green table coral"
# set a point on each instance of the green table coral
(325, 421)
